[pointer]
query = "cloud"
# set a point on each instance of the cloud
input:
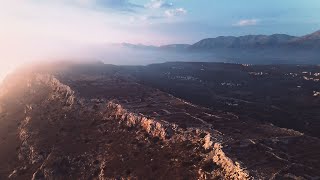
(156, 4)
(169, 13)
(175, 12)
(144, 19)
(119, 5)
(247, 22)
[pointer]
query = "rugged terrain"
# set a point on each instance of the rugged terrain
(285, 95)
(69, 121)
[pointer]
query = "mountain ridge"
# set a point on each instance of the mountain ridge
(245, 41)
(253, 49)
(242, 41)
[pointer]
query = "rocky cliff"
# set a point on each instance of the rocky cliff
(59, 135)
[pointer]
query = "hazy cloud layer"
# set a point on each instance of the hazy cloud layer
(119, 5)
(51, 29)
(156, 4)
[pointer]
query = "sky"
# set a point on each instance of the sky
(34, 29)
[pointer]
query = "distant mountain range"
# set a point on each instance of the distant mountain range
(259, 41)
(257, 49)
(248, 41)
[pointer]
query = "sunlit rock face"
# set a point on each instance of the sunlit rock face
(93, 122)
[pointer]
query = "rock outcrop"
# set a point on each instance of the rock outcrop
(165, 131)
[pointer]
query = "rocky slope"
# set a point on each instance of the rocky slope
(55, 134)
(66, 125)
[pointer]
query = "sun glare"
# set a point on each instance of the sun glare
(6, 68)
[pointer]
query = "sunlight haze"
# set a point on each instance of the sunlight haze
(35, 30)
